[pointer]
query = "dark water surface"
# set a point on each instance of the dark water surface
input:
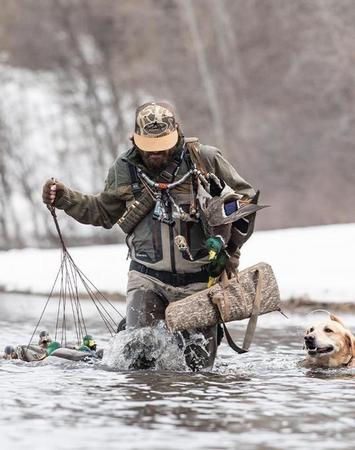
(260, 400)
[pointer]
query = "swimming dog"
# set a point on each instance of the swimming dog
(329, 344)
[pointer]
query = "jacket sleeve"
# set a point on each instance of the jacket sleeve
(103, 209)
(217, 163)
(242, 229)
(225, 171)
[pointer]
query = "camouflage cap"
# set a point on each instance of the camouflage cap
(155, 128)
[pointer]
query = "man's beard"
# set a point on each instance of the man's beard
(157, 161)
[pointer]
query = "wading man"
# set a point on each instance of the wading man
(154, 192)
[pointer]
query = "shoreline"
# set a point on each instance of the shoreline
(113, 296)
(293, 304)
(116, 296)
(304, 305)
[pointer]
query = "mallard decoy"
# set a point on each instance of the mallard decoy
(54, 345)
(218, 257)
(232, 218)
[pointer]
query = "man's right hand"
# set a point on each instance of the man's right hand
(51, 188)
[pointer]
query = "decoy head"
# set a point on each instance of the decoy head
(214, 245)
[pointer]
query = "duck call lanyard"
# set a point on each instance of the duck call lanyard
(166, 210)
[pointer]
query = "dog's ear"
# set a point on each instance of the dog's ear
(350, 342)
(336, 319)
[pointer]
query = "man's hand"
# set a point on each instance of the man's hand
(51, 188)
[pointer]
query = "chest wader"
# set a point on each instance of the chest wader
(147, 301)
(146, 306)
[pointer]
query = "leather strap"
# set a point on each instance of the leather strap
(249, 334)
(216, 301)
(227, 305)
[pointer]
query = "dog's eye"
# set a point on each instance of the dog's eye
(328, 330)
(311, 330)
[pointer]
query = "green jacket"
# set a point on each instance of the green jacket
(152, 243)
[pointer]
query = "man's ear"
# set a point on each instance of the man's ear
(336, 319)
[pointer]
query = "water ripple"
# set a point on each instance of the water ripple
(262, 400)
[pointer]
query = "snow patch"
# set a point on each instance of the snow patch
(313, 262)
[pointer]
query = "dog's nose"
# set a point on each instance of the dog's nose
(309, 339)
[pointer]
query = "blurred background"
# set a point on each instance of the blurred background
(271, 83)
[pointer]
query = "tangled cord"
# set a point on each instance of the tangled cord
(69, 309)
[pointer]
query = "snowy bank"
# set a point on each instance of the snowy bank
(313, 263)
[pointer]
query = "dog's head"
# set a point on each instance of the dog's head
(329, 343)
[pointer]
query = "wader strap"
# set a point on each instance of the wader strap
(187, 158)
(249, 334)
(136, 189)
(193, 145)
(169, 173)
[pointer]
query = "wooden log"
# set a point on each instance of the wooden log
(236, 300)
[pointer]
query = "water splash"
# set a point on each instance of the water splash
(144, 348)
(153, 348)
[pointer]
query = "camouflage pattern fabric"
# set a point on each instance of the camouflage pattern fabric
(154, 119)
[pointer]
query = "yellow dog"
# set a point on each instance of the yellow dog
(329, 344)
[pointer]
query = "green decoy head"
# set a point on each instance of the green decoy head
(89, 341)
(44, 339)
(214, 246)
(52, 346)
(9, 352)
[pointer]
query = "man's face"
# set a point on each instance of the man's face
(157, 161)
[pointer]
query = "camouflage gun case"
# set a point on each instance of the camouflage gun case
(253, 292)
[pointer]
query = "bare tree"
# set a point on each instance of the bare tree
(270, 83)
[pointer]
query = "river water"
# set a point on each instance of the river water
(260, 400)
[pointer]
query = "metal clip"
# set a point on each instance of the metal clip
(182, 245)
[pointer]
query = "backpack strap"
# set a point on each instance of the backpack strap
(193, 147)
(136, 188)
(169, 173)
